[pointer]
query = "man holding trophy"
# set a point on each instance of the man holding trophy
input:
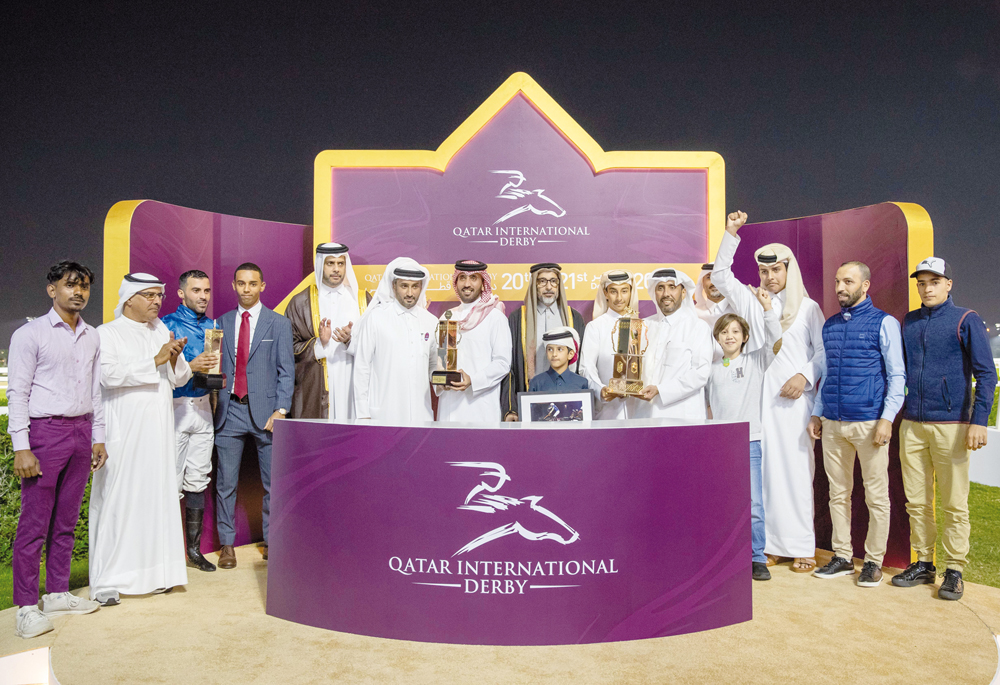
(474, 349)
(395, 349)
(192, 404)
(611, 353)
(680, 359)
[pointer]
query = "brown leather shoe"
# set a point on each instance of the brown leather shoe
(227, 557)
(263, 550)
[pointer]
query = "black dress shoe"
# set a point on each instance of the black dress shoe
(192, 524)
(952, 586)
(917, 573)
(760, 571)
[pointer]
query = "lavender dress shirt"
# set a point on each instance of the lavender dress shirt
(53, 371)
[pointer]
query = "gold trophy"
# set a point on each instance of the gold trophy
(214, 379)
(627, 337)
(448, 335)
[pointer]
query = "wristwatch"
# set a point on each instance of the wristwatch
(283, 412)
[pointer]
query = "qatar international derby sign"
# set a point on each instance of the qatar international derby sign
(520, 182)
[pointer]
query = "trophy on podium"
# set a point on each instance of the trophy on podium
(627, 338)
(448, 335)
(214, 379)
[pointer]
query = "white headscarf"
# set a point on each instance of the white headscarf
(384, 293)
(350, 280)
(671, 275)
(559, 335)
(132, 284)
(601, 300)
(795, 289)
(701, 300)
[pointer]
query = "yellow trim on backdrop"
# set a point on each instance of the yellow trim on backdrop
(117, 241)
(599, 160)
(919, 246)
(919, 242)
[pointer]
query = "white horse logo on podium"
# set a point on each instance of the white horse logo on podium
(512, 191)
(492, 503)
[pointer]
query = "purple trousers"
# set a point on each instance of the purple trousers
(50, 505)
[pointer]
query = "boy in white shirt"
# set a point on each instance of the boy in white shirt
(734, 394)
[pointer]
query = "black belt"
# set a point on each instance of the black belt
(242, 400)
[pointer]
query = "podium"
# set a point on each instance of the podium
(512, 534)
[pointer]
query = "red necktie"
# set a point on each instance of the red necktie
(242, 354)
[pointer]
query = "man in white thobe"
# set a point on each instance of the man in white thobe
(616, 297)
(394, 349)
(679, 359)
(789, 391)
(484, 348)
(323, 317)
(136, 543)
(710, 304)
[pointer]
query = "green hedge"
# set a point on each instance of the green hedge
(10, 503)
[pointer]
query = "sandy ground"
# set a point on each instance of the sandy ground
(804, 629)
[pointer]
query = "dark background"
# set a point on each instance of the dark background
(813, 109)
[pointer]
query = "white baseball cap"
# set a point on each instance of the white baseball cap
(934, 265)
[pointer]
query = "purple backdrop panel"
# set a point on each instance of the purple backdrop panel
(877, 236)
(167, 240)
(510, 536)
(479, 204)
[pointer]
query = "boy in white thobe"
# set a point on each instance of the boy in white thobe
(616, 297)
(789, 391)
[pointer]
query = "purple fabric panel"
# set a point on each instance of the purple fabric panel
(877, 236)
(248, 522)
(630, 215)
(348, 500)
(167, 240)
(283, 251)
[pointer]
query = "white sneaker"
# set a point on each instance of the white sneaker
(107, 598)
(31, 622)
(63, 603)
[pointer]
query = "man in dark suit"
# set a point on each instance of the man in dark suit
(258, 358)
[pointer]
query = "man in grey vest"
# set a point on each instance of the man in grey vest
(859, 397)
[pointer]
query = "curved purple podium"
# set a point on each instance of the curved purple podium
(513, 535)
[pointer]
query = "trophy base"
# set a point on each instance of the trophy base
(446, 377)
(210, 381)
(620, 387)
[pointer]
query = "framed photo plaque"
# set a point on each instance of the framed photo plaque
(537, 407)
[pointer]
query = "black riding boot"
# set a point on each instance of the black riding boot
(192, 525)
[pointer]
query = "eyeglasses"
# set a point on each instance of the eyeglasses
(548, 281)
(149, 297)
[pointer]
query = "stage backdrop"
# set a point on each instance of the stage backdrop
(520, 182)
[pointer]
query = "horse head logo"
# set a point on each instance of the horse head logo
(512, 191)
(492, 503)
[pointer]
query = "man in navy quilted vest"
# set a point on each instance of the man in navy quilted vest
(860, 395)
(945, 346)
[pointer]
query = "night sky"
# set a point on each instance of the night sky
(225, 109)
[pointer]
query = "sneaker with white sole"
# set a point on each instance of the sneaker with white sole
(31, 622)
(107, 598)
(871, 575)
(838, 566)
(65, 603)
